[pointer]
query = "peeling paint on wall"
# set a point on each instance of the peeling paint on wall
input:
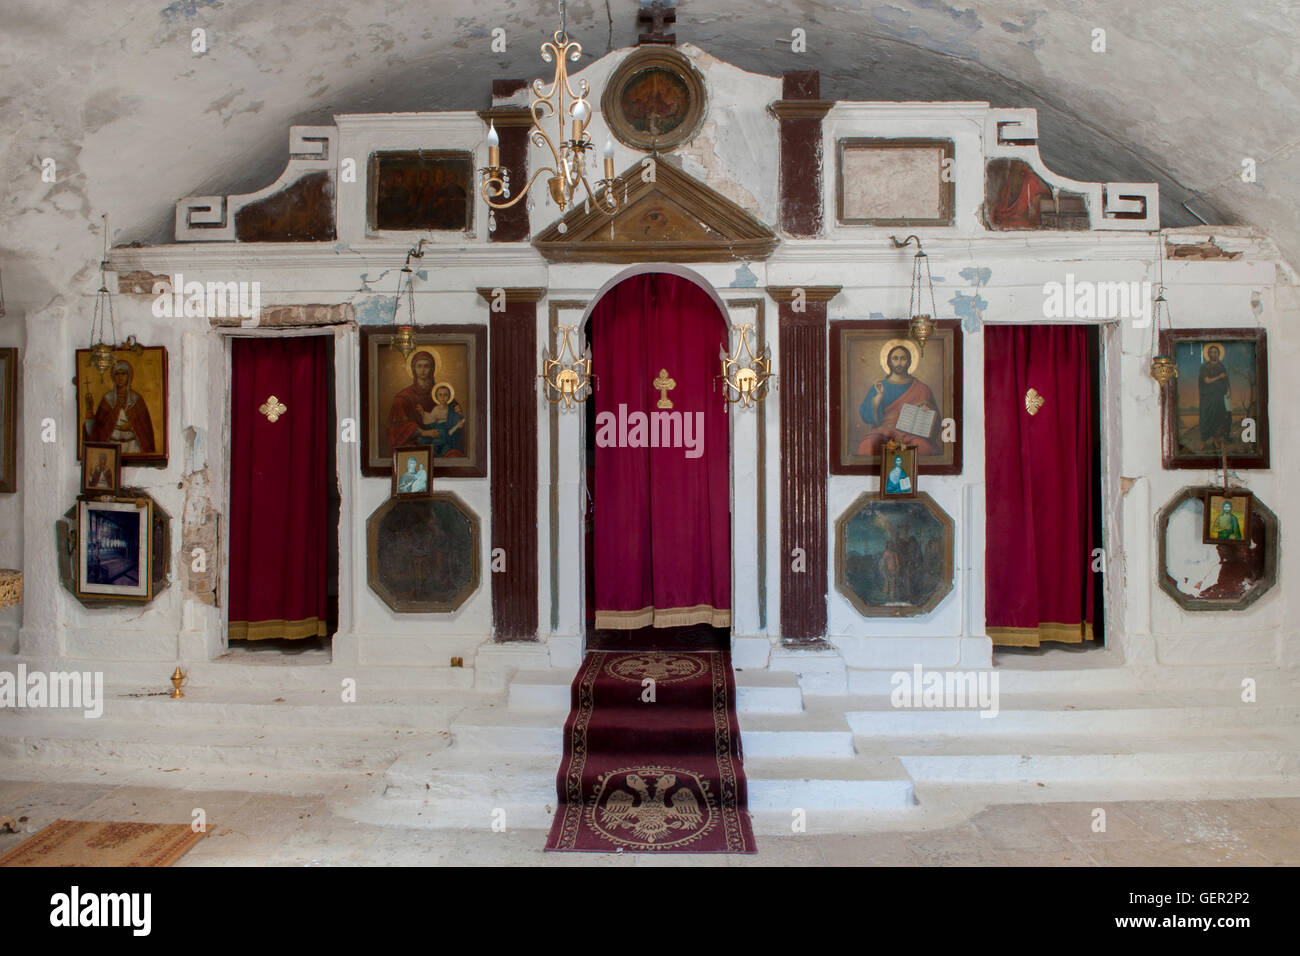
(375, 309)
(199, 561)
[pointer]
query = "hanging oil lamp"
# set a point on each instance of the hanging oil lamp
(101, 353)
(920, 325)
(404, 338)
(1163, 368)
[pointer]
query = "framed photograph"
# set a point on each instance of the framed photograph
(1219, 401)
(422, 190)
(413, 471)
(895, 182)
(882, 388)
(1227, 517)
(8, 419)
(101, 468)
(434, 397)
(114, 546)
(897, 470)
(126, 405)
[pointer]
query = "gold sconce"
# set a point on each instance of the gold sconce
(404, 339)
(745, 375)
(920, 325)
(566, 375)
(1163, 368)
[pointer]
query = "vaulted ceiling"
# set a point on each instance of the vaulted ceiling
(135, 120)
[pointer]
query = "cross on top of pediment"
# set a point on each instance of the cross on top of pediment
(657, 14)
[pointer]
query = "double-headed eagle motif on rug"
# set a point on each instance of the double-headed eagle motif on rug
(651, 815)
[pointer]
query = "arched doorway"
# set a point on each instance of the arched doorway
(658, 544)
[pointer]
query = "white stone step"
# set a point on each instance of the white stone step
(381, 709)
(108, 746)
(816, 732)
(757, 691)
(1221, 756)
(1141, 712)
(1097, 671)
(777, 785)
(275, 674)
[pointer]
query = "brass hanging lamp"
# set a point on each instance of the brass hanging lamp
(1163, 368)
(101, 352)
(920, 325)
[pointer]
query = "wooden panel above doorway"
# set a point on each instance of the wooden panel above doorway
(675, 218)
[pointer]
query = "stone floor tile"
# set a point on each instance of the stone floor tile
(953, 846)
(868, 849)
(1135, 853)
(1076, 821)
(1019, 827)
(1278, 844)
(1071, 855)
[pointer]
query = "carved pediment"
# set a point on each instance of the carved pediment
(676, 218)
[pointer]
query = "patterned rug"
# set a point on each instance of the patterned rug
(652, 760)
(693, 637)
(87, 843)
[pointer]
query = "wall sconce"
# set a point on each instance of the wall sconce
(744, 374)
(566, 376)
(920, 326)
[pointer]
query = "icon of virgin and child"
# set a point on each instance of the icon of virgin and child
(426, 412)
(887, 398)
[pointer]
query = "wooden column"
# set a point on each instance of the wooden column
(512, 123)
(512, 378)
(804, 420)
(800, 111)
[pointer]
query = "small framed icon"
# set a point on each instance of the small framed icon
(897, 470)
(101, 468)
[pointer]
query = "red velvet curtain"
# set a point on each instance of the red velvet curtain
(662, 514)
(278, 489)
(1038, 484)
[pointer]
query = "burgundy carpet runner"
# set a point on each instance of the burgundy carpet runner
(652, 776)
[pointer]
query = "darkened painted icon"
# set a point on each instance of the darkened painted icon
(422, 552)
(424, 191)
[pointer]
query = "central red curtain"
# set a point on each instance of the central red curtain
(278, 489)
(1038, 490)
(662, 518)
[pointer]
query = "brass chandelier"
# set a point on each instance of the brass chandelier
(568, 159)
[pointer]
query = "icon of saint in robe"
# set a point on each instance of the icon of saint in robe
(123, 417)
